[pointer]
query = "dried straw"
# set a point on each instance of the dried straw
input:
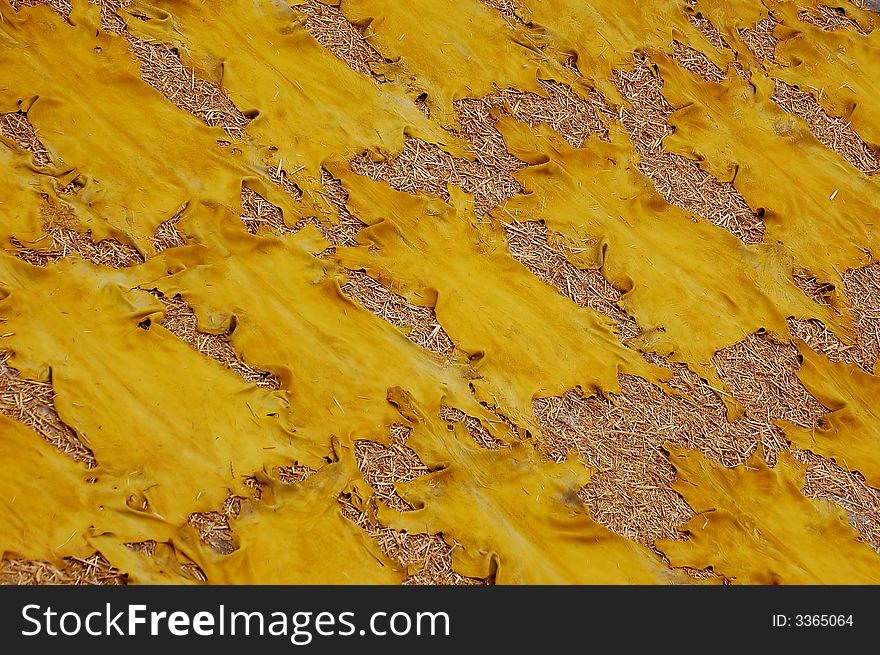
(214, 530)
(167, 236)
(680, 180)
(531, 245)
(833, 132)
(481, 436)
(708, 29)
(382, 466)
(762, 375)
(63, 7)
(760, 40)
(423, 167)
(180, 320)
(570, 115)
(260, 216)
(827, 480)
(696, 62)
(507, 8)
(16, 126)
(162, 68)
(828, 18)
(418, 323)
(33, 403)
(333, 31)
(862, 286)
(92, 570)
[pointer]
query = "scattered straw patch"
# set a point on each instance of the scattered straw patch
(259, 215)
(64, 243)
(530, 244)
(486, 142)
(192, 570)
(15, 126)
(862, 503)
(817, 290)
(818, 337)
(63, 7)
(629, 491)
(696, 62)
(708, 29)
(425, 168)
(481, 436)
(61, 241)
(428, 555)
(162, 68)
(835, 133)
(167, 236)
(570, 115)
(180, 320)
(760, 40)
(714, 36)
(345, 232)
(33, 403)
(263, 218)
(110, 20)
(333, 31)
(680, 180)
(621, 437)
(828, 18)
(862, 286)
(762, 375)
(290, 475)
(507, 9)
(383, 466)
(418, 323)
(92, 570)
(214, 530)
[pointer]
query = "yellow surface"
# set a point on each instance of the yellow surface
(456, 48)
(49, 510)
(337, 360)
(603, 35)
(850, 434)
(692, 286)
(297, 534)
(820, 208)
(19, 195)
(165, 565)
(306, 102)
(175, 430)
(839, 68)
(524, 339)
(511, 514)
(82, 91)
(755, 526)
(731, 16)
